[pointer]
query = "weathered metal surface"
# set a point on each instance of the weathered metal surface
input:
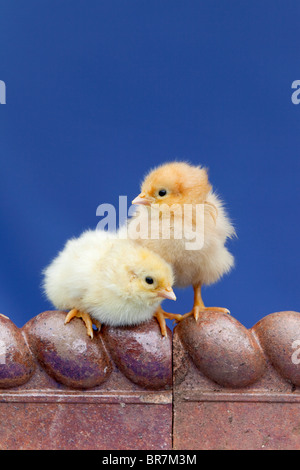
(237, 426)
(16, 362)
(76, 395)
(66, 352)
(214, 410)
(222, 348)
(279, 336)
(233, 388)
(76, 424)
(142, 354)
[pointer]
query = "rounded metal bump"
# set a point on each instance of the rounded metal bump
(142, 354)
(66, 351)
(16, 362)
(279, 336)
(222, 349)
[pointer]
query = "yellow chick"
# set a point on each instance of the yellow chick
(104, 279)
(184, 191)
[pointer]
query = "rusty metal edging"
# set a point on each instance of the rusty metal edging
(150, 398)
(213, 385)
(243, 397)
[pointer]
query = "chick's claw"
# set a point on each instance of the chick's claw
(199, 305)
(161, 316)
(85, 317)
(97, 324)
(198, 309)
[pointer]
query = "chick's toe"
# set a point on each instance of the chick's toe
(85, 317)
(161, 316)
(197, 310)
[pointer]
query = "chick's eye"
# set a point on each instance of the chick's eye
(149, 280)
(162, 192)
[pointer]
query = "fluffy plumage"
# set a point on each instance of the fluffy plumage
(106, 277)
(180, 183)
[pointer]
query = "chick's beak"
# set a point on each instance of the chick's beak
(167, 293)
(143, 199)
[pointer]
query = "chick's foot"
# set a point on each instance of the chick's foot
(199, 305)
(86, 318)
(198, 309)
(161, 316)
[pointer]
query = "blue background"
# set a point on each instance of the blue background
(100, 91)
